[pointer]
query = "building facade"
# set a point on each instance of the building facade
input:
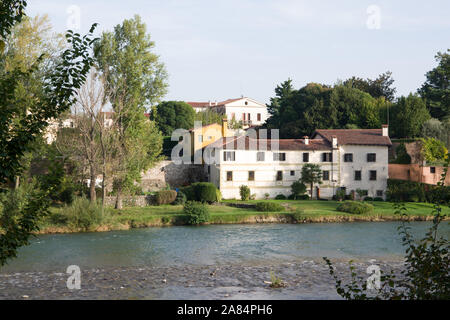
(249, 111)
(349, 159)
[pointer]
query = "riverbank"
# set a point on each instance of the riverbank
(300, 211)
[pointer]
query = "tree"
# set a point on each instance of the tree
(22, 122)
(434, 128)
(436, 89)
(134, 79)
(408, 116)
(311, 174)
(433, 150)
(208, 117)
(380, 87)
(402, 155)
(171, 115)
(298, 188)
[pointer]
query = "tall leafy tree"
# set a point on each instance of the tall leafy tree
(436, 89)
(135, 81)
(311, 174)
(377, 88)
(171, 115)
(23, 120)
(408, 116)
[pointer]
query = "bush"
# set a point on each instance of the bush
(340, 194)
(280, 197)
(180, 199)
(82, 214)
(378, 199)
(303, 197)
(244, 192)
(165, 197)
(355, 207)
(196, 212)
(218, 195)
(266, 196)
(297, 215)
(298, 188)
(268, 206)
(203, 192)
(368, 199)
(189, 192)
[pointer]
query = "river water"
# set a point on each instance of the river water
(206, 262)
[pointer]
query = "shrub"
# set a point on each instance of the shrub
(297, 215)
(340, 194)
(165, 197)
(244, 192)
(355, 207)
(280, 197)
(378, 199)
(303, 197)
(368, 199)
(218, 195)
(82, 214)
(298, 188)
(180, 199)
(204, 192)
(268, 206)
(266, 196)
(189, 192)
(196, 212)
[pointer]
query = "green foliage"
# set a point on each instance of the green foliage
(368, 199)
(340, 194)
(434, 128)
(266, 196)
(203, 192)
(244, 192)
(165, 197)
(378, 199)
(311, 174)
(180, 199)
(268, 207)
(436, 89)
(298, 188)
(402, 190)
(209, 117)
(380, 87)
(355, 207)
(408, 116)
(83, 214)
(196, 212)
(280, 197)
(171, 115)
(402, 155)
(433, 150)
(298, 215)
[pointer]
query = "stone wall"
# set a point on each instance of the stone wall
(129, 201)
(167, 172)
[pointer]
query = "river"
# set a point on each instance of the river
(206, 262)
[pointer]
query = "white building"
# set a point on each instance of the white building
(249, 111)
(350, 159)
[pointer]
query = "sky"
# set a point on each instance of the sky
(215, 50)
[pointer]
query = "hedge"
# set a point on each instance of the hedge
(196, 212)
(355, 207)
(165, 197)
(402, 190)
(268, 206)
(203, 192)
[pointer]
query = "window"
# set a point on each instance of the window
(325, 175)
(229, 175)
(379, 193)
(348, 157)
(229, 156)
(327, 157)
(279, 175)
(243, 116)
(246, 103)
(432, 169)
(258, 116)
(372, 175)
(200, 138)
(248, 116)
(358, 175)
(292, 173)
(251, 176)
(305, 157)
(364, 192)
(371, 157)
(277, 156)
(260, 156)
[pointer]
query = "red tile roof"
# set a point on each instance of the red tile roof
(247, 143)
(372, 137)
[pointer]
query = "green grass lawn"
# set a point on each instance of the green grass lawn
(310, 211)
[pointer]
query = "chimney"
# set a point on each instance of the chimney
(209, 102)
(215, 102)
(334, 141)
(306, 140)
(385, 130)
(224, 127)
